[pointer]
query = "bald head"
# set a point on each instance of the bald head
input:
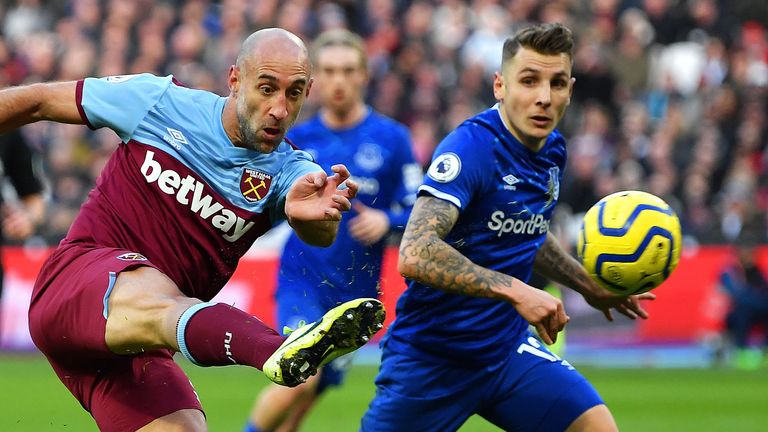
(271, 42)
(267, 87)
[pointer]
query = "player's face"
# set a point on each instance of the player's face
(341, 78)
(533, 90)
(269, 91)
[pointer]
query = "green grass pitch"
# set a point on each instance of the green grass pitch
(680, 400)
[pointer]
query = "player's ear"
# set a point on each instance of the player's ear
(570, 91)
(233, 81)
(498, 86)
(309, 87)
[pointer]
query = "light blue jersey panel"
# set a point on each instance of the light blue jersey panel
(186, 124)
(121, 102)
(505, 194)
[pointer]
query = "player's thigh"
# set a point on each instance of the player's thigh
(133, 392)
(181, 421)
(69, 307)
(415, 395)
(596, 419)
(538, 391)
(142, 310)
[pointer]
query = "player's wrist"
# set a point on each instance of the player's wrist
(516, 292)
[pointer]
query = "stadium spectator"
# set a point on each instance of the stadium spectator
(22, 214)
(310, 279)
(196, 179)
(671, 56)
(460, 343)
(747, 287)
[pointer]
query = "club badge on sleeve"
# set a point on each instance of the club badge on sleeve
(445, 168)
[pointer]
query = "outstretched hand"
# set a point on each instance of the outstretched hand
(629, 306)
(317, 197)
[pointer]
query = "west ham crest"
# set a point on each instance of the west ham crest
(254, 185)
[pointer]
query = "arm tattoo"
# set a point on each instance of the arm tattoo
(553, 262)
(427, 258)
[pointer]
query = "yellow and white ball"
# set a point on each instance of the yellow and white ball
(630, 242)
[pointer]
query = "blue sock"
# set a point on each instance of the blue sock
(249, 427)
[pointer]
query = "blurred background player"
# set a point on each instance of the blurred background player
(311, 280)
(196, 180)
(747, 286)
(21, 216)
(460, 343)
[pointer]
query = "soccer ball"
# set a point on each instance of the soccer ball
(630, 242)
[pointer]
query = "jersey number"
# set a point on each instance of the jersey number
(533, 347)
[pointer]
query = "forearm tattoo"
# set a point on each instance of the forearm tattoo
(430, 260)
(553, 262)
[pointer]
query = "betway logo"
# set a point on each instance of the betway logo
(532, 225)
(171, 183)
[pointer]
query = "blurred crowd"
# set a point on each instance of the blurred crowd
(670, 95)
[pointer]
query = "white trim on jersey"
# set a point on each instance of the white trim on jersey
(442, 195)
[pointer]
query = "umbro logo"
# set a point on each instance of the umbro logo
(510, 181)
(175, 138)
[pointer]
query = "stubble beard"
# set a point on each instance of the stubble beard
(249, 134)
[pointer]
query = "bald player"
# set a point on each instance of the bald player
(196, 179)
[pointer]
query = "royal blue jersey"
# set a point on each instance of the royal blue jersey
(379, 155)
(177, 190)
(505, 194)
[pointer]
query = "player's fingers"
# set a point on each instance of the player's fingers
(359, 206)
(646, 296)
(608, 315)
(624, 309)
(637, 308)
(342, 203)
(544, 334)
(356, 229)
(562, 318)
(342, 171)
(554, 326)
(352, 188)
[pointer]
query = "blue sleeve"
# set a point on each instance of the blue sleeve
(409, 177)
(121, 102)
(456, 171)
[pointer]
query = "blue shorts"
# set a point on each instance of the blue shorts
(299, 303)
(533, 390)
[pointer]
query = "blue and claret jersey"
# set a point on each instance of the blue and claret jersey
(177, 190)
(505, 194)
(378, 153)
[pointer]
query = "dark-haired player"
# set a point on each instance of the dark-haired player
(460, 343)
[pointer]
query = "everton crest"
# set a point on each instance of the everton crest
(254, 185)
(553, 186)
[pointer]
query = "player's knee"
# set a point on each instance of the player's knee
(596, 419)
